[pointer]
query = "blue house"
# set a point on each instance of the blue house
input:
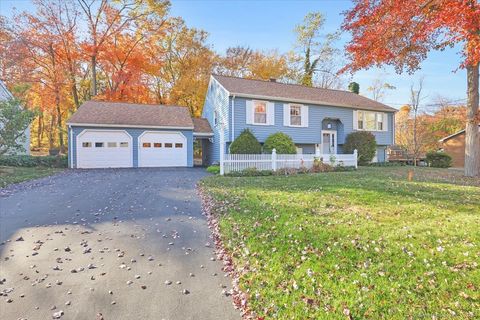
(312, 117)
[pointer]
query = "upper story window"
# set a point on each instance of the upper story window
(295, 115)
(260, 112)
(371, 121)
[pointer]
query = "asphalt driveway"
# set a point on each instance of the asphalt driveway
(123, 243)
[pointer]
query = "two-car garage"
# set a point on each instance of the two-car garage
(115, 149)
(123, 135)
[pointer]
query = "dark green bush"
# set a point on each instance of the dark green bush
(246, 143)
(365, 144)
(34, 161)
(214, 169)
(281, 142)
(438, 159)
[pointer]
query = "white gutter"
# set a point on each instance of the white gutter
(201, 134)
(126, 126)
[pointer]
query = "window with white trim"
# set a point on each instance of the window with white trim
(259, 112)
(370, 121)
(295, 115)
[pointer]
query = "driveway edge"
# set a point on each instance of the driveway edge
(240, 298)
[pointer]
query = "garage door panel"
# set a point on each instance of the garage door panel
(104, 149)
(162, 149)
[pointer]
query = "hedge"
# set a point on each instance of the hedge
(34, 161)
(438, 159)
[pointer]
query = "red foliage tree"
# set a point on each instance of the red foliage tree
(400, 33)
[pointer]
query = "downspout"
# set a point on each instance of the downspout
(233, 118)
(70, 146)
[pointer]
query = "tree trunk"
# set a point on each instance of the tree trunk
(73, 82)
(51, 143)
(39, 132)
(94, 75)
(59, 123)
(472, 145)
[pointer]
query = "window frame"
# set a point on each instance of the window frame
(254, 112)
(123, 144)
(111, 144)
(86, 144)
(362, 123)
(298, 107)
(146, 144)
(100, 144)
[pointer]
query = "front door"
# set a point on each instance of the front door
(329, 142)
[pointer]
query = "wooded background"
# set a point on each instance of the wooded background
(70, 51)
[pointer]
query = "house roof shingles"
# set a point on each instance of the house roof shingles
(201, 126)
(130, 114)
(299, 93)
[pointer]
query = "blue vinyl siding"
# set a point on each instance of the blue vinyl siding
(217, 99)
(135, 133)
(312, 133)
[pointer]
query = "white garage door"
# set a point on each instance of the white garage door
(162, 149)
(104, 149)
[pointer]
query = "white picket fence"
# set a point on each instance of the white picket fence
(239, 162)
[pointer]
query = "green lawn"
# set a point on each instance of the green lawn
(366, 243)
(9, 175)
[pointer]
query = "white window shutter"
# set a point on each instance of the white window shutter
(249, 112)
(270, 113)
(304, 116)
(385, 121)
(286, 114)
(355, 119)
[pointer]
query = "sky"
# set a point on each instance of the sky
(268, 25)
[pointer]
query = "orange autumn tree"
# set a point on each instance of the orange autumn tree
(400, 33)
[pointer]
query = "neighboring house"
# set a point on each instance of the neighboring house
(25, 140)
(310, 116)
(116, 135)
(454, 145)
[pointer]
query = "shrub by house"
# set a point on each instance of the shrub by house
(365, 144)
(281, 142)
(246, 143)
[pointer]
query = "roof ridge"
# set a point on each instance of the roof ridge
(283, 83)
(138, 103)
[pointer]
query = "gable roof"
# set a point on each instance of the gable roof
(4, 93)
(201, 126)
(455, 134)
(297, 93)
(103, 113)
